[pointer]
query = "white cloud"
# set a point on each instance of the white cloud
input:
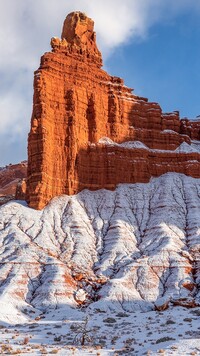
(26, 27)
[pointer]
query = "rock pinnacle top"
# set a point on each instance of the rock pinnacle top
(78, 28)
(78, 37)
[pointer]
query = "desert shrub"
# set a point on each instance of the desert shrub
(168, 322)
(109, 320)
(164, 339)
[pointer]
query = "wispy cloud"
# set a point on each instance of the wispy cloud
(25, 31)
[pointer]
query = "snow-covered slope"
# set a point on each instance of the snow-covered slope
(132, 249)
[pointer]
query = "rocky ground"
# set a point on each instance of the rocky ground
(175, 331)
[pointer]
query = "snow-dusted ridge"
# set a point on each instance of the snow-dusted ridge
(126, 250)
(183, 148)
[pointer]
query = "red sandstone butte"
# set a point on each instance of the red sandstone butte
(75, 104)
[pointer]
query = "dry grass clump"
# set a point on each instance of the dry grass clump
(26, 340)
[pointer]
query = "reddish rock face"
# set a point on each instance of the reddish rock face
(76, 103)
(11, 177)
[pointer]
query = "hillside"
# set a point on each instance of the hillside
(129, 251)
(126, 249)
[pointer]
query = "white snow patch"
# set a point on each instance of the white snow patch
(169, 131)
(183, 148)
(186, 148)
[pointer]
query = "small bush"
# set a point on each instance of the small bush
(168, 322)
(109, 320)
(164, 339)
(195, 312)
(122, 315)
(57, 338)
(26, 340)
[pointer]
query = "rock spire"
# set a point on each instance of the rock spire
(88, 130)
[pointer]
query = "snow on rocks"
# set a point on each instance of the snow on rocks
(162, 303)
(127, 144)
(186, 148)
(121, 250)
(80, 296)
(183, 148)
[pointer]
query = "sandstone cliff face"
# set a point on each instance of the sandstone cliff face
(11, 178)
(76, 103)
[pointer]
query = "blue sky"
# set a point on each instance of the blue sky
(164, 67)
(152, 44)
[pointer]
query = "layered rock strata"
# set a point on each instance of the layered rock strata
(75, 104)
(133, 248)
(11, 182)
